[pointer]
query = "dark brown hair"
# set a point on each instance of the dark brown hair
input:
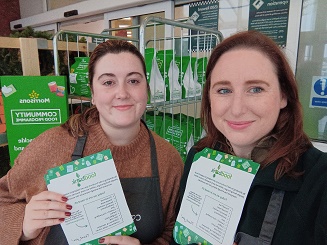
(291, 139)
(78, 124)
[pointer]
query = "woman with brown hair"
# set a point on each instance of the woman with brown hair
(148, 166)
(251, 109)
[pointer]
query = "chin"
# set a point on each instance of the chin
(126, 123)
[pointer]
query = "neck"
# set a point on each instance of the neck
(244, 152)
(121, 136)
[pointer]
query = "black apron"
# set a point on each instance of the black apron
(143, 198)
(268, 225)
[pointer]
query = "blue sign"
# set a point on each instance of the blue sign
(319, 92)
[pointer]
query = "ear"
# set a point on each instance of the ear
(91, 90)
(283, 102)
(92, 98)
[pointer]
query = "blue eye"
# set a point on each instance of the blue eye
(256, 90)
(224, 91)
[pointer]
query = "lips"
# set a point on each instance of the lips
(239, 125)
(122, 107)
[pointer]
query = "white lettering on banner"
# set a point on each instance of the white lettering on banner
(203, 9)
(24, 140)
(18, 148)
(29, 120)
(278, 3)
(29, 101)
(36, 114)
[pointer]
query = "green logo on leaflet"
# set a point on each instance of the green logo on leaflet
(83, 178)
(224, 174)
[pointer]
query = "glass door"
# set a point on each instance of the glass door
(311, 72)
(126, 22)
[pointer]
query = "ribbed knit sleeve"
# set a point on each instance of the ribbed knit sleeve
(26, 179)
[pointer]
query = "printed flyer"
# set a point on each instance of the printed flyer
(216, 189)
(92, 187)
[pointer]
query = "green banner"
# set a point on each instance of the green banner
(204, 13)
(32, 105)
(270, 18)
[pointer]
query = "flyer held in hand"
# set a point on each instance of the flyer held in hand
(216, 189)
(93, 188)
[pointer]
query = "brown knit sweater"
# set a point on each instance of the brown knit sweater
(55, 146)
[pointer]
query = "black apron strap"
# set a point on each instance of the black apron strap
(154, 162)
(270, 221)
(143, 197)
(155, 172)
(79, 148)
(242, 238)
(56, 236)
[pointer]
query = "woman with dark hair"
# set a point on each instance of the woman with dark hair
(148, 166)
(250, 108)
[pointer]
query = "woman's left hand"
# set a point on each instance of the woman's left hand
(119, 240)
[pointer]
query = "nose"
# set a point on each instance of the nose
(238, 104)
(122, 91)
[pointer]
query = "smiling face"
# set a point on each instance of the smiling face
(119, 90)
(245, 98)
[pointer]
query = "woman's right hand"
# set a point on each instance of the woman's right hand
(44, 209)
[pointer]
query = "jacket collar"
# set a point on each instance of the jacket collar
(265, 176)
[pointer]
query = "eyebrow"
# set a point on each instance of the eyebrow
(249, 82)
(113, 75)
(253, 82)
(223, 82)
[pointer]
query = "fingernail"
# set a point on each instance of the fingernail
(101, 240)
(65, 199)
(67, 213)
(61, 219)
(69, 207)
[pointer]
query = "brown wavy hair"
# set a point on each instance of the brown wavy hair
(291, 140)
(78, 124)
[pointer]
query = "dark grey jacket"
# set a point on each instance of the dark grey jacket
(303, 216)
